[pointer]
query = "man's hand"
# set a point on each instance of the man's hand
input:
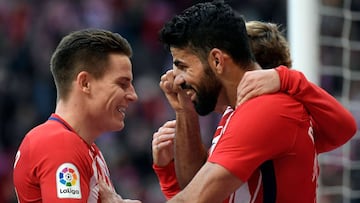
(108, 195)
(177, 97)
(257, 82)
(163, 144)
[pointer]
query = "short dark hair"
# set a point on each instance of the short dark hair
(209, 25)
(84, 50)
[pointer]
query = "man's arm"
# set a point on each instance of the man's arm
(213, 183)
(190, 153)
(335, 125)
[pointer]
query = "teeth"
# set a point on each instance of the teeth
(122, 110)
(190, 94)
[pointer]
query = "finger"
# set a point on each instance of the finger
(164, 144)
(245, 80)
(154, 141)
(164, 132)
(246, 97)
(102, 180)
(244, 84)
(163, 138)
(170, 124)
(104, 189)
(101, 184)
(166, 86)
(161, 129)
(243, 92)
(167, 81)
(167, 130)
(169, 76)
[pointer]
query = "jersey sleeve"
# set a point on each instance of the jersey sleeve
(65, 176)
(167, 180)
(261, 129)
(334, 125)
(60, 165)
(26, 186)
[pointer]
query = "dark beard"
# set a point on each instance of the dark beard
(205, 104)
(208, 94)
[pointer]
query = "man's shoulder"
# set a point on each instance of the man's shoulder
(51, 137)
(49, 132)
(277, 104)
(51, 143)
(275, 100)
(275, 97)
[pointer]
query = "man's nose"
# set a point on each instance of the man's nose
(131, 95)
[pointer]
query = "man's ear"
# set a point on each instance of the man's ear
(83, 81)
(216, 60)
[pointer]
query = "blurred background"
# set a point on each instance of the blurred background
(31, 29)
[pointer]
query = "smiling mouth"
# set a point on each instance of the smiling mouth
(190, 91)
(121, 110)
(192, 94)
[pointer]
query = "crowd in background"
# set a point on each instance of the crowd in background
(29, 32)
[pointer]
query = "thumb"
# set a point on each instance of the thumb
(241, 100)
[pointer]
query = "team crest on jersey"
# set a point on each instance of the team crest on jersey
(68, 181)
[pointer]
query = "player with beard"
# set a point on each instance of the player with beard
(270, 127)
(316, 101)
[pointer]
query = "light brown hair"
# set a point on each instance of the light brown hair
(268, 44)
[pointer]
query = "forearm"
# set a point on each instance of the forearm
(336, 125)
(213, 183)
(190, 153)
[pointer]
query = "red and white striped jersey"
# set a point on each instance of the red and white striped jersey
(54, 164)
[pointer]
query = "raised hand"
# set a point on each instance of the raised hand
(163, 144)
(178, 98)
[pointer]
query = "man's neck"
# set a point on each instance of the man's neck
(73, 115)
(231, 81)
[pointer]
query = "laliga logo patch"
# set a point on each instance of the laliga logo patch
(68, 181)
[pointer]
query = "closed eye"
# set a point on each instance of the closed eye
(124, 83)
(180, 65)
